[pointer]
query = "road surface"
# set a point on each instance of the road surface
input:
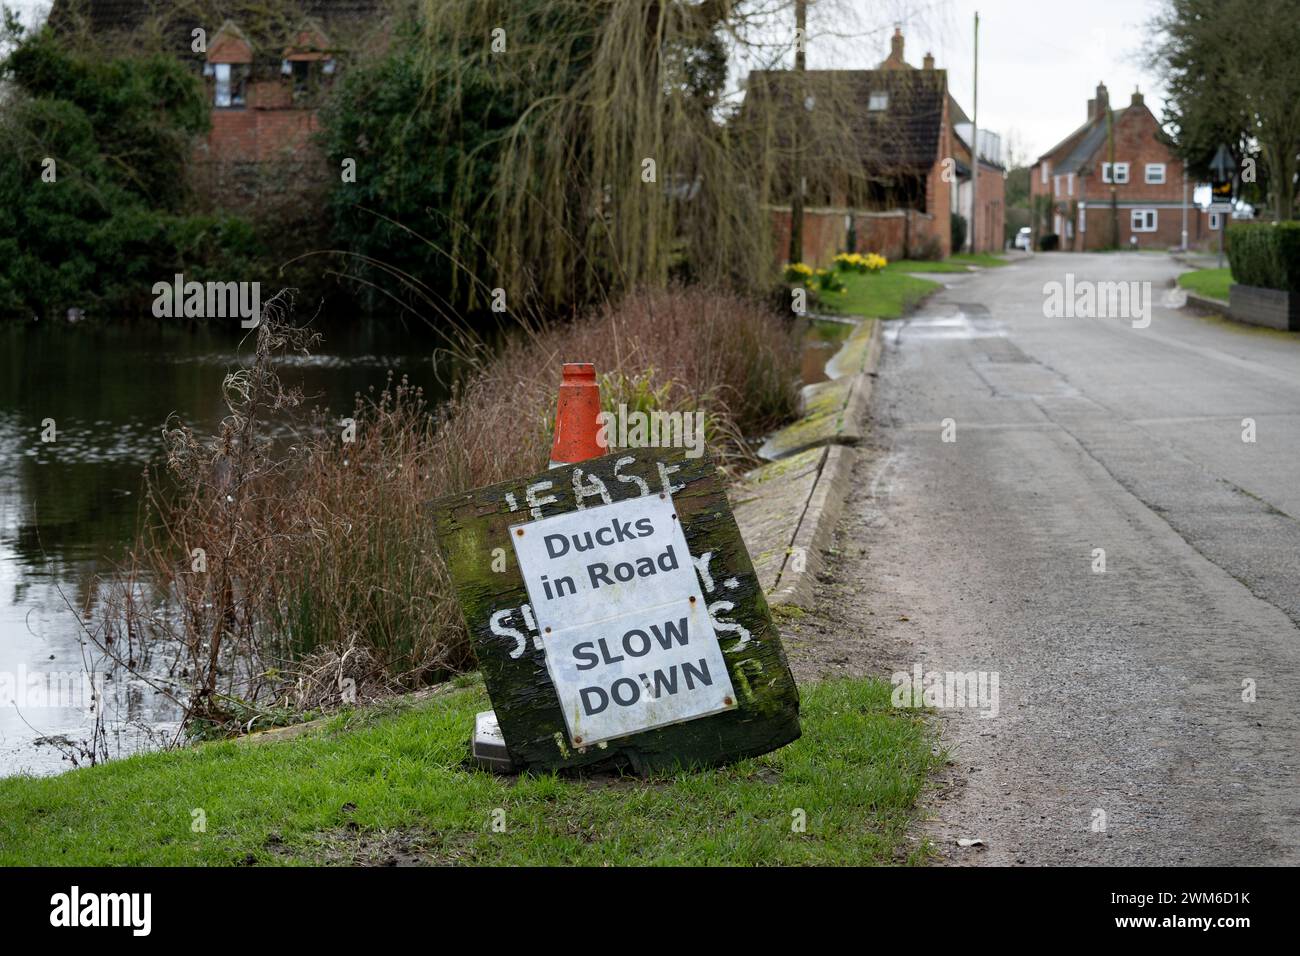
(1147, 712)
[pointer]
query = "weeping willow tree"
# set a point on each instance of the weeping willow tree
(621, 166)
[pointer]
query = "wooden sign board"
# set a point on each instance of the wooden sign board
(616, 616)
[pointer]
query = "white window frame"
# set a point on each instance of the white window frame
(1138, 225)
(1083, 217)
(1056, 185)
(1044, 173)
(1120, 173)
(222, 93)
(228, 85)
(878, 101)
(1069, 183)
(1154, 167)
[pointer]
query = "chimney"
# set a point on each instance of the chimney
(928, 62)
(1098, 107)
(896, 44)
(1137, 98)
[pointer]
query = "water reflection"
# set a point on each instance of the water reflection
(69, 507)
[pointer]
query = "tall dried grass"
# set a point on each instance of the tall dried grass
(320, 559)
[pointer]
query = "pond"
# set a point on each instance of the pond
(69, 504)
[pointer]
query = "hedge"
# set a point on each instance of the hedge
(1266, 255)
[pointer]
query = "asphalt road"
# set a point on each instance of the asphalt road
(1125, 732)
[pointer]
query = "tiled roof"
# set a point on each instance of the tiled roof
(1086, 146)
(254, 17)
(905, 134)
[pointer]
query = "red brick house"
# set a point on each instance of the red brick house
(891, 180)
(264, 63)
(1087, 187)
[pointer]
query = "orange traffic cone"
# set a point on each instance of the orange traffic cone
(576, 421)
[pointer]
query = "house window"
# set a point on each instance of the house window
(228, 90)
(1119, 171)
(1155, 174)
(302, 77)
(1216, 221)
(878, 101)
(1056, 185)
(1069, 183)
(1144, 220)
(1044, 176)
(1083, 218)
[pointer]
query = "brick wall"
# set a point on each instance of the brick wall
(824, 235)
(990, 208)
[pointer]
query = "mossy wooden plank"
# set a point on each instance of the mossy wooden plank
(473, 532)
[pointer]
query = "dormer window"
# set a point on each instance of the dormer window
(307, 60)
(230, 56)
(231, 83)
(878, 101)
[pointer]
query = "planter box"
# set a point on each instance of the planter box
(1267, 307)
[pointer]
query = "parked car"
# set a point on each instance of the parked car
(1024, 239)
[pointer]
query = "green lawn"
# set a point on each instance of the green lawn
(1212, 283)
(924, 265)
(985, 260)
(373, 786)
(883, 295)
(955, 263)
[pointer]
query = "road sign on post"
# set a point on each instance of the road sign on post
(630, 627)
(1224, 176)
(1223, 171)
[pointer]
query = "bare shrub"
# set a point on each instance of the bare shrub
(319, 561)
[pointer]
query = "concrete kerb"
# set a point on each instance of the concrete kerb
(815, 522)
(1206, 304)
(803, 561)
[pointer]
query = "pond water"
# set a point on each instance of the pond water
(68, 507)
(821, 341)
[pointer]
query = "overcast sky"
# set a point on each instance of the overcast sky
(1040, 60)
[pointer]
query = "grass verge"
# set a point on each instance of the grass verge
(985, 260)
(881, 295)
(1211, 283)
(389, 785)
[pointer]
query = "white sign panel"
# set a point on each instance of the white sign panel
(628, 640)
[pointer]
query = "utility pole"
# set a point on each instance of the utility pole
(974, 145)
(800, 107)
(1114, 196)
(1184, 205)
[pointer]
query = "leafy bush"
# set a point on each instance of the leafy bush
(958, 231)
(1265, 254)
(92, 182)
